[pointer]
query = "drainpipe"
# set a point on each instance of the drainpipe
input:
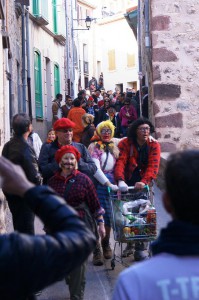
(147, 32)
(23, 60)
(28, 63)
(67, 47)
(139, 56)
(72, 53)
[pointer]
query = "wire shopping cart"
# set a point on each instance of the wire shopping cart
(133, 218)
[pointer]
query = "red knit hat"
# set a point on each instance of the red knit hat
(67, 149)
(63, 123)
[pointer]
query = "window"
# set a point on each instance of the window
(38, 85)
(111, 60)
(59, 21)
(40, 8)
(130, 60)
(56, 79)
(54, 2)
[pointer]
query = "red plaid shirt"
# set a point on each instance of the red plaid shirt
(128, 161)
(81, 191)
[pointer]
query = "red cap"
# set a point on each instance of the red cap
(90, 98)
(67, 149)
(63, 123)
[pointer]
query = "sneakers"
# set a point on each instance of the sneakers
(107, 252)
(97, 257)
(128, 250)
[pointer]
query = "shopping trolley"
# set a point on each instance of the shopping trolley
(133, 218)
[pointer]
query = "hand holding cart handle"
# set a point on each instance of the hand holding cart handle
(123, 187)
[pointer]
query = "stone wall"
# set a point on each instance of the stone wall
(175, 62)
(14, 30)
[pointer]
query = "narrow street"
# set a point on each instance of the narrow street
(100, 280)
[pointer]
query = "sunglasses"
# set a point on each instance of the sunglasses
(65, 130)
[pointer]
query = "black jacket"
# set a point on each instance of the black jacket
(48, 166)
(30, 263)
(21, 153)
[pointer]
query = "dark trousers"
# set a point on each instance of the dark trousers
(77, 281)
(22, 215)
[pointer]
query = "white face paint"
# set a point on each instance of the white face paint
(68, 162)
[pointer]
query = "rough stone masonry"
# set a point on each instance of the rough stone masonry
(175, 61)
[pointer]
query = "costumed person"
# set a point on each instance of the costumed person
(79, 192)
(64, 136)
(89, 129)
(137, 165)
(104, 152)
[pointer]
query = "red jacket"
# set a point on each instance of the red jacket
(127, 161)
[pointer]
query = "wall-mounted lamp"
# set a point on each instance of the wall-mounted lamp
(88, 21)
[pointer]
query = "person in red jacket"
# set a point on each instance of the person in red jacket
(137, 165)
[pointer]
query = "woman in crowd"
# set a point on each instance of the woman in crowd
(127, 115)
(137, 165)
(79, 192)
(104, 152)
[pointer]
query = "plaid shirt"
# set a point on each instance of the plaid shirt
(81, 191)
(128, 161)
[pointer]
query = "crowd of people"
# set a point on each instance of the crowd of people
(86, 154)
(98, 142)
(118, 107)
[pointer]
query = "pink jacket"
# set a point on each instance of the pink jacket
(125, 120)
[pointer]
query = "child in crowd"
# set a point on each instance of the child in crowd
(51, 136)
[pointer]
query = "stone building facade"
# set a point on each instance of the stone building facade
(174, 95)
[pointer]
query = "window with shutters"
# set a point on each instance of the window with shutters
(111, 60)
(59, 27)
(38, 85)
(56, 79)
(40, 8)
(130, 60)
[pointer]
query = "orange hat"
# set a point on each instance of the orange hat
(63, 123)
(67, 149)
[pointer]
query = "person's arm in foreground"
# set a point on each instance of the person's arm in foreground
(32, 262)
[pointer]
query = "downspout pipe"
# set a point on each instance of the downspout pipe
(139, 56)
(23, 60)
(67, 47)
(28, 63)
(147, 33)
(72, 53)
